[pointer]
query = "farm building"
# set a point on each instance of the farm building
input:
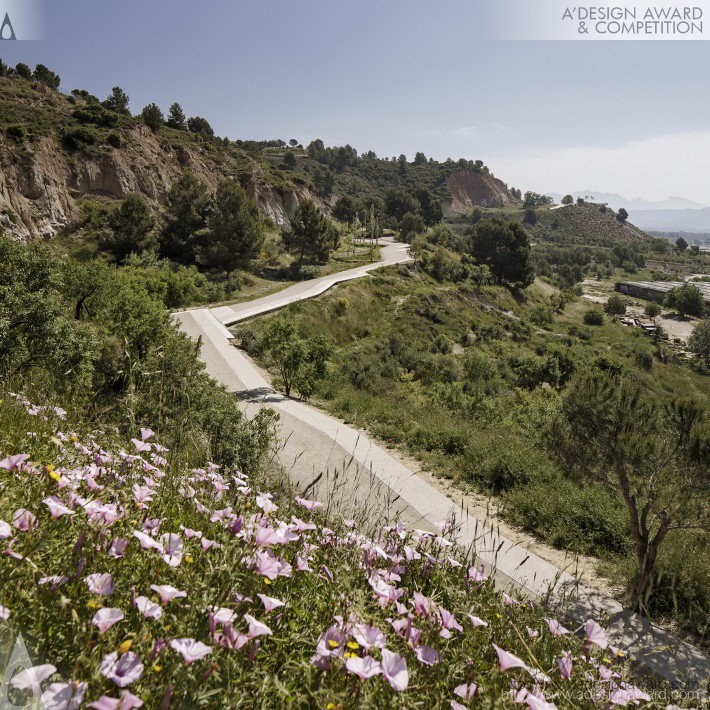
(657, 290)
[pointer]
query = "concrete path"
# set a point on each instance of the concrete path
(357, 477)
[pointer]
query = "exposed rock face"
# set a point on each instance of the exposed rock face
(39, 191)
(471, 189)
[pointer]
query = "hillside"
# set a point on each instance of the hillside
(56, 150)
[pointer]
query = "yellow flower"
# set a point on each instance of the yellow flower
(93, 604)
(332, 643)
(267, 580)
(350, 654)
(331, 706)
(74, 437)
(157, 668)
(189, 559)
(606, 660)
(125, 646)
(353, 645)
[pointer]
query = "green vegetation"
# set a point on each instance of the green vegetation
(473, 379)
(686, 299)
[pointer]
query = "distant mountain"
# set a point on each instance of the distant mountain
(673, 220)
(616, 202)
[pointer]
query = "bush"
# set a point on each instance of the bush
(585, 520)
(615, 305)
(542, 315)
(579, 332)
(95, 114)
(79, 138)
(644, 358)
(114, 140)
(16, 133)
(593, 317)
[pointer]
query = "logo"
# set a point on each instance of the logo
(7, 31)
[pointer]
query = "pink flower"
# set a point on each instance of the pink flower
(477, 621)
(263, 500)
(364, 668)
(63, 696)
(270, 603)
(166, 592)
(127, 701)
(532, 633)
(448, 620)
(565, 666)
(427, 655)
(55, 581)
(57, 507)
(172, 548)
(256, 628)
(146, 541)
(117, 548)
(12, 462)
(105, 618)
(101, 584)
(422, 605)
(369, 636)
(595, 634)
(508, 660)
(148, 608)
(4, 613)
(190, 649)
(628, 694)
(30, 678)
(394, 668)
(146, 433)
(141, 446)
(24, 520)
(309, 504)
(221, 615)
(5, 530)
(122, 671)
(467, 692)
(556, 629)
(477, 575)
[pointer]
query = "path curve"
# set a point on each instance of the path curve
(351, 473)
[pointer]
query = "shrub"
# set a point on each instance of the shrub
(95, 114)
(79, 138)
(16, 133)
(644, 358)
(542, 315)
(593, 317)
(114, 140)
(652, 309)
(615, 305)
(579, 332)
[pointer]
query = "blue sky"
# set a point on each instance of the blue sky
(397, 76)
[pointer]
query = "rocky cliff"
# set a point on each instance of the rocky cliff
(42, 183)
(470, 189)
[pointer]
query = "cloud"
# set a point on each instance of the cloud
(652, 168)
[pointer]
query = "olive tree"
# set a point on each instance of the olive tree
(654, 456)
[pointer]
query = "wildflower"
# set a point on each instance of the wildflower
(256, 628)
(477, 621)
(556, 629)
(508, 660)
(427, 655)
(105, 618)
(100, 584)
(364, 668)
(565, 666)
(57, 507)
(171, 548)
(125, 646)
(394, 669)
(190, 649)
(127, 701)
(270, 603)
(24, 520)
(310, 505)
(147, 541)
(12, 462)
(55, 581)
(166, 592)
(30, 678)
(117, 548)
(467, 692)
(148, 608)
(189, 559)
(122, 670)
(141, 446)
(595, 634)
(369, 636)
(5, 530)
(353, 645)
(146, 434)
(63, 696)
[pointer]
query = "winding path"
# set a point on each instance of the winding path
(357, 477)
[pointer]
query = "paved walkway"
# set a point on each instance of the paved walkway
(357, 477)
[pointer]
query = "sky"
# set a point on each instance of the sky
(400, 76)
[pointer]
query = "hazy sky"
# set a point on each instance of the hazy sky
(397, 76)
